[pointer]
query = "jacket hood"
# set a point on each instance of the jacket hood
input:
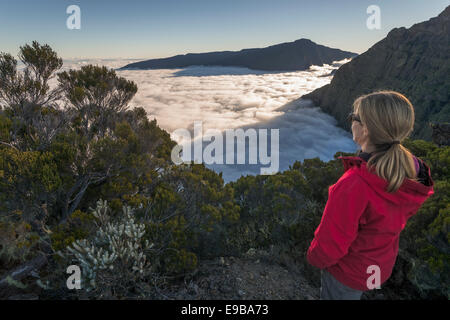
(410, 191)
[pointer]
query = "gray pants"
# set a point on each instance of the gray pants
(332, 289)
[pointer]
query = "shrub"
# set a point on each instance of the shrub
(115, 260)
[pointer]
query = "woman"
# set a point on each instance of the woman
(356, 243)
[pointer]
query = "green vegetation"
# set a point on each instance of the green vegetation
(82, 176)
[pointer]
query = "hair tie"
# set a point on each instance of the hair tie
(383, 147)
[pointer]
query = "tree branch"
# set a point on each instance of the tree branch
(24, 270)
(9, 145)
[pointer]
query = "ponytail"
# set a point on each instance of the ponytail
(394, 165)
(389, 117)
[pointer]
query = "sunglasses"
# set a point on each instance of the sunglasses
(353, 117)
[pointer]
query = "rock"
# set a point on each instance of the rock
(193, 289)
(226, 289)
(251, 252)
(379, 296)
(213, 293)
(411, 61)
(35, 274)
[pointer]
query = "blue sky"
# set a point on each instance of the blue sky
(154, 29)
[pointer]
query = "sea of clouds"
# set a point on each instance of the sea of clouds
(233, 97)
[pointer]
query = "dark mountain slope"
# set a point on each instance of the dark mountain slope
(290, 56)
(414, 61)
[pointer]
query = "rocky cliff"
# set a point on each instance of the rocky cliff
(413, 61)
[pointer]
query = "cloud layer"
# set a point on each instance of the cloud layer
(230, 97)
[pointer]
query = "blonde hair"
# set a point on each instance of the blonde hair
(389, 118)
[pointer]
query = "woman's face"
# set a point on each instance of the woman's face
(360, 133)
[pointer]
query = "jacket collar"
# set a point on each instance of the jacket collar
(360, 157)
(350, 161)
(379, 183)
(364, 155)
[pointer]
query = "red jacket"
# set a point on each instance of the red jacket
(361, 223)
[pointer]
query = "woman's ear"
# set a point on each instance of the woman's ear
(365, 131)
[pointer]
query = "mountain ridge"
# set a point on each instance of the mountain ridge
(288, 56)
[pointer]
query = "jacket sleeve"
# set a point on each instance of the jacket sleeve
(347, 200)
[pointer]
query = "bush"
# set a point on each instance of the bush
(115, 260)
